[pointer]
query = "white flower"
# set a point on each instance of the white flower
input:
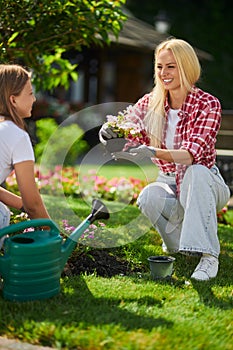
(129, 125)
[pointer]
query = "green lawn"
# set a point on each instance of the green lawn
(147, 171)
(129, 312)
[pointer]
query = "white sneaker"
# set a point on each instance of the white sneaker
(206, 269)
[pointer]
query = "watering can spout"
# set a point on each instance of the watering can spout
(99, 211)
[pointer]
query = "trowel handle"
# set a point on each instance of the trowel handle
(30, 223)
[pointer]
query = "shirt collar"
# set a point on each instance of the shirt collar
(189, 97)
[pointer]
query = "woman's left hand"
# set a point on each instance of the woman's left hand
(136, 154)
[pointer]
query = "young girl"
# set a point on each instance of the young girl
(182, 122)
(16, 153)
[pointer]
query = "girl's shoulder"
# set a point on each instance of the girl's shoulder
(11, 133)
(10, 126)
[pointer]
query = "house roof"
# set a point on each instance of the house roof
(138, 34)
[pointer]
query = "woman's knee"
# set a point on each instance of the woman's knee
(149, 194)
(145, 197)
(151, 200)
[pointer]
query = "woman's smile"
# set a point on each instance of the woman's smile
(167, 70)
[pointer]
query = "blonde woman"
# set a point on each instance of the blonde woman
(182, 122)
(16, 153)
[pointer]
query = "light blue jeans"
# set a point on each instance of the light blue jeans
(4, 215)
(187, 224)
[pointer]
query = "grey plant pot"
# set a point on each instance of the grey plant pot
(115, 145)
(161, 266)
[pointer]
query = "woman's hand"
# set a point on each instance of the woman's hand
(106, 133)
(136, 154)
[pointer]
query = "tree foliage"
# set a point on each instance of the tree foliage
(38, 33)
(207, 25)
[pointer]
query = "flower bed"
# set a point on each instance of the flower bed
(68, 181)
(71, 183)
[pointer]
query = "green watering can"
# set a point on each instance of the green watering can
(32, 263)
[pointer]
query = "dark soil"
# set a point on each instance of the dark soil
(100, 262)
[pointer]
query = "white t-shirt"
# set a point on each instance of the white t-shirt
(171, 127)
(15, 147)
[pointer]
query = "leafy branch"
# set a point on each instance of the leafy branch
(40, 33)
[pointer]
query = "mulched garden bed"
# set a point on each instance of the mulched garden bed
(100, 262)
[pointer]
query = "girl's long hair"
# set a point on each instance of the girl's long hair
(189, 72)
(12, 81)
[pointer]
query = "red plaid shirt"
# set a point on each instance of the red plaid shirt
(198, 125)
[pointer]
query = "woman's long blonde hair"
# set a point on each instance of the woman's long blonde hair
(12, 81)
(189, 72)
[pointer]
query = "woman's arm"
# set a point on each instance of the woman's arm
(179, 156)
(32, 201)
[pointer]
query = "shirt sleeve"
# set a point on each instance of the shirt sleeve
(140, 108)
(202, 138)
(23, 150)
(137, 112)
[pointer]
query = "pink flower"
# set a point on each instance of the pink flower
(224, 210)
(102, 224)
(129, 125)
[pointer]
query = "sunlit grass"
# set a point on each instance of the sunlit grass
(146, 171)
(130, 312)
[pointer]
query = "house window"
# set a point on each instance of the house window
(108, 82)
(77, 89)
(93, 81)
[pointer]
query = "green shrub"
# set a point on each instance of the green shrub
(58, 144)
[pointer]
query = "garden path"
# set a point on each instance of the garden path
(14, 344)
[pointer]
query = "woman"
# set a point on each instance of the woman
(16, 153)
(182, 122)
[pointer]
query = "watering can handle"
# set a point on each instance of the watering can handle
(30, 223)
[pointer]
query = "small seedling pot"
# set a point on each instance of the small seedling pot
(115, 145)
(161, 266)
